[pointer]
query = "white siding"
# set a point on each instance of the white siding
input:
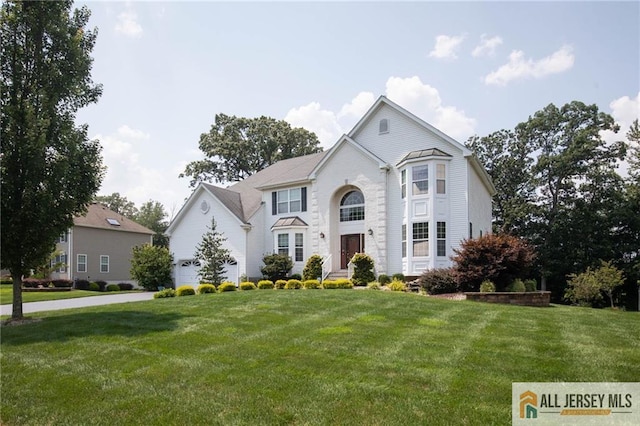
(480, 205)
(187, 233)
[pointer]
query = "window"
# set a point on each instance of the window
(352, 207)
(82, 263)
(289, 201)
(404, 240)
(104, 264)
(113, 222)
(420, 178)
(384, 126)
(283, 244)
(441, 235)
(421, 239)
(470, 230)
(441, 179)
(403, 183)
(59, 263)
(299, 248)
(63, 238)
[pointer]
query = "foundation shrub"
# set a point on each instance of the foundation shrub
(438, 281)
(226, 286)
(185, 290)
(517, 286)
(81, 284)
(94, 287)
(265, 285)
(206, 288)
(487, 286)
(311, 284)
(362, 269)
(293, 285)
(112, 287)
(247, 285)
(384, 279)
(167, 292)
(125, 286)
(280, 284)
(397, 285)
(313, 268)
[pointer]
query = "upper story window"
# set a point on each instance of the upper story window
(289, 201)
(441, 179)
(63, 238)
(384, 126)
(352, 207)
(420, 180)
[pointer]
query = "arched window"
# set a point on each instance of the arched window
(352, 207)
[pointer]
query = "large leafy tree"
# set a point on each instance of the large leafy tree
(577, 188)
(237, 147)
(50, 170)
(119, 204)
(508, 161)
(152, 215)
(151, 266)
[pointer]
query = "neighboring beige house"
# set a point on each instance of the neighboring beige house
(394, 187)
(99, 246)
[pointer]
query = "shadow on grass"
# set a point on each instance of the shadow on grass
(61, 328)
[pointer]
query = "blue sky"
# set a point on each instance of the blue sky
(467, 68)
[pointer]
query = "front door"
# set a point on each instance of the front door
(349, 245)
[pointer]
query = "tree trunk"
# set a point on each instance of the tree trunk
(17, 297)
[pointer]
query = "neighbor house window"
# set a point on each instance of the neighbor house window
(352, 207)
(404, 240)
(59, 263)
(441, 187)
(289, 201)
(403, 183)
(441, 235)
(421, 239)
(104, 264)
(283, 244)
(420, 179)
(63, 238)
(299, 248)
(81, 261)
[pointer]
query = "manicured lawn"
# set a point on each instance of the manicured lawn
(6, 295)
(328, 357)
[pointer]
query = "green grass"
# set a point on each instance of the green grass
(302, 357)
(6, 295)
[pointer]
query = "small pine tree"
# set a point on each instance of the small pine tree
(313, 269)
(212, 255)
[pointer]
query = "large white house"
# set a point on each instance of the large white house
(394, 187)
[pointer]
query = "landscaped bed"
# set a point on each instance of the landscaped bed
(303, 357)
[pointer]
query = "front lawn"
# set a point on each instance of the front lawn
(328, 357)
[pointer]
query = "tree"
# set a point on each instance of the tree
(50, 170)
(151, 266)
(500, 258)
(238, 147)
(508, 161)
(212, 255)
(118, 204)
(313, 268)
(633, 136)
(276, 266)
(152, 215)
(586, 288)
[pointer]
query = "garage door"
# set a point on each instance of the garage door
(231, 271)
(188, 273)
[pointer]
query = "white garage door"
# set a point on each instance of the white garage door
(188, 273)
(231, 271)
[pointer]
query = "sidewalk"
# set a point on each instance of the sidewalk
(80, 302)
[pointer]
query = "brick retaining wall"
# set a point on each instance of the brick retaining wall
(532, 298)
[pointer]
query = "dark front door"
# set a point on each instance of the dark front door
(349, 245)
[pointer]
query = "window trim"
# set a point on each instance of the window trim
(403, 183)
(84, 263)
(102, 257)
(349, 211)
(281, 248)
(441, 239)
(277, 203)
(383, 126)
(298, 247)
(440, 167)
(420, 237)
(415, 190)
(403, 234)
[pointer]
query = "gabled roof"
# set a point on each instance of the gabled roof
(346, 140)
(99, 216)
(284, 172)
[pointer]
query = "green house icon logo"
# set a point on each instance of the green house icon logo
(528, 405)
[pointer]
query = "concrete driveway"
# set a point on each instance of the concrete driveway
(80, 302)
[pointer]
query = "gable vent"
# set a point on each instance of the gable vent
(384, 126)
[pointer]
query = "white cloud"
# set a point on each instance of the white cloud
(518, 67)
(487, 46)
(424, 101)
(624, 111)
(322, 122)
(358, 106)
(127, 24)
(133, 170)
(446, 46)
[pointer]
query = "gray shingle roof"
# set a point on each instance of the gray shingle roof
(433, 152)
